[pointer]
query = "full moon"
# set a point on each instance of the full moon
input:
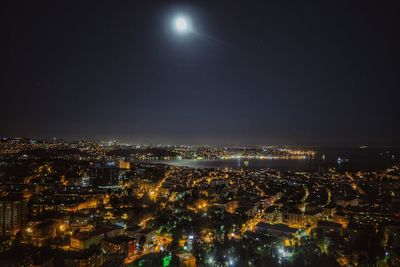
(181, 24)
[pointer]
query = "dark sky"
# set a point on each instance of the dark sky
(253, 72)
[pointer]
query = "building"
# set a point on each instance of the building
(85, 258)
(147, 236)
(12, 215)
(293, 217)
(84, 240)
(81, 221)
(120, 245)
(122, 164)
(105, 175)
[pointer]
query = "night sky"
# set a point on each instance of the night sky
(267, 72)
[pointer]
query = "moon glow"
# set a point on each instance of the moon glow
(181, 24)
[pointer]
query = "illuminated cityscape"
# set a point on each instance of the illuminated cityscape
(199, 133)
(88, 203)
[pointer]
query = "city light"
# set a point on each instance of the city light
(154, 209)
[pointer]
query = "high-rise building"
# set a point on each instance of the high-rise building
(105, 175)
(12, 215)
